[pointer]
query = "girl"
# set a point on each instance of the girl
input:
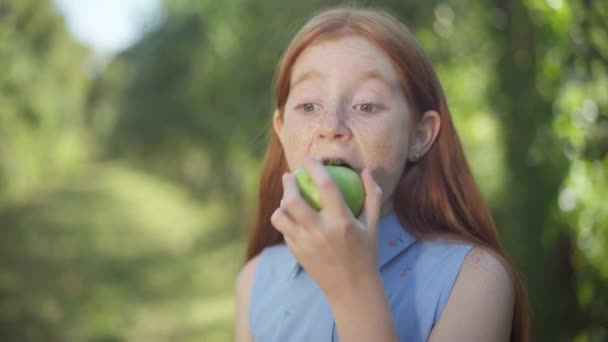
(423, 260)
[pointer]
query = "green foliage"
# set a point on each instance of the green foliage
(43, 89)
(123, 196)
(118, 255)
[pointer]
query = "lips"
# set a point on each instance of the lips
(338, 161)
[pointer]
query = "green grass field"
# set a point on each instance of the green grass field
(117, 255)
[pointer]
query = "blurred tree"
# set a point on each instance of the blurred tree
(535, 165)
(538, 60)
(581, 123)
(43, 87)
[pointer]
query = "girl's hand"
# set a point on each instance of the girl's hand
(338, 250)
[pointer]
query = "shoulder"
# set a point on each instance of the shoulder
(482, 261)
(244, 280)
(486, 271)
(244, 285)
(480, 306)
(441, 253)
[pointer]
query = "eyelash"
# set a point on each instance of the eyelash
(373, 105)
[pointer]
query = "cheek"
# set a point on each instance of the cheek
(387, 144)
(386, 149)
(295, 133)
(296, 139)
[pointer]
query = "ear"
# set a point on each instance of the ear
(424, 135)
(277, 123)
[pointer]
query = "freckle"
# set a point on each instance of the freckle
(392, 243)
(403, 274)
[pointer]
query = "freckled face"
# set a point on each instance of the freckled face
(345, 101)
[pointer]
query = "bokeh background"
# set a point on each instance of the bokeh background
(131, 134)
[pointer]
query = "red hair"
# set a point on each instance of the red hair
(437, 194)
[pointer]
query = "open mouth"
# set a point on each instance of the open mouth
(336, 162)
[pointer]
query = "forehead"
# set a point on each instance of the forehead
(351, 57)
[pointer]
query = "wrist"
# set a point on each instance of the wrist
(362, 312)
(364, 287)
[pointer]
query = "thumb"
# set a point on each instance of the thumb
(373, 201)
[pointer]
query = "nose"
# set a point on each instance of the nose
(332, 125)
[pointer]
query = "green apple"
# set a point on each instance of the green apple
(348, 182)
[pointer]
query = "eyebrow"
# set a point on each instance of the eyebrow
(368, 75)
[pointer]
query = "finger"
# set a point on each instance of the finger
(373, 200)
(331, 198)
(283, 223)
(295, 205)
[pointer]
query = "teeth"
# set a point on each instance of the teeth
(336, 162)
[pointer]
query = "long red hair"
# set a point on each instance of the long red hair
(437, 194)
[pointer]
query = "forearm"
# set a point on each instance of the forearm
(363, 314)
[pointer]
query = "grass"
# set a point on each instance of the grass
(119, 256)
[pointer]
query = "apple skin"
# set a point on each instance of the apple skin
(348, 182)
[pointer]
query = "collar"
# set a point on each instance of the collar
(393, 239)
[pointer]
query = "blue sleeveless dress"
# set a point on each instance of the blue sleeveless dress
(418, 275)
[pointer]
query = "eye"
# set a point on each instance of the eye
(367, 107)
(309, 107)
